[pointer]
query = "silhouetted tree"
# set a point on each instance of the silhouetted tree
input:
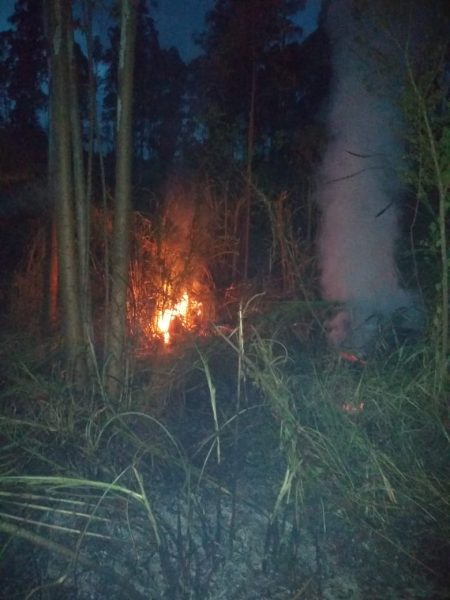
(64, 154)
(24, 64)
(23, 95)
(242, 44)
(157, 97)
(122, 201)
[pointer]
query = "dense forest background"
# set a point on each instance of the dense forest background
(175, 422)
(178, 108)
(238, 121)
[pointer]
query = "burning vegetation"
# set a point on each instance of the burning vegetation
(183, 365)
(171, 288)
(171, 291)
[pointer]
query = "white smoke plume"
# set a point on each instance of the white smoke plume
(359, 181)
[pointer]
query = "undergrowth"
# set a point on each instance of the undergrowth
(346, 462)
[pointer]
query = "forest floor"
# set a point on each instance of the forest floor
(211, 483)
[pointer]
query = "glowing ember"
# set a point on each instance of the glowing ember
(352, 358)
(352, 409)
(186, 310)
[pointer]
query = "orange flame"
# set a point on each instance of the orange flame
(185, 309)
(352, 358)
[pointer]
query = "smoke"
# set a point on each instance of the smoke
(359, 182)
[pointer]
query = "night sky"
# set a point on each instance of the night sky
(178, 20)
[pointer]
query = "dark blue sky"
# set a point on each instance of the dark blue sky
(177, 20)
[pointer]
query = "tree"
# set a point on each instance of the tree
(157, 97)
(122, 200)
(423, 52)
(25, 64)
(61, 165)
(23, 97)
(427, 108)
(164, 109)
(241, 40)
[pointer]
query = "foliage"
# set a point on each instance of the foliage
(427, 109)
(240, 37)
(157, 98)
(24, 63)
(367, 446)
(256, 440)
(251, 462)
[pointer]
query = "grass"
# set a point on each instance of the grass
(345, 464)
(367, 445)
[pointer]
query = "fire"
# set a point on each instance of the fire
(186, 310)
(352, 409)
(352, 358)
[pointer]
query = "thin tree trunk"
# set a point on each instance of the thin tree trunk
(59, 24)
(249, 174)
(122, 202)
(92, 104)
(50, 320)
(81, 206)
(87, 7)
(94, 144)
(52, 315)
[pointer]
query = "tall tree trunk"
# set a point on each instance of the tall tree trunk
(94, 144)
(92, 92)
(79, 180)
(122, 202)
(87, 9)
(249, 173)
(60, 126)
(53, 284)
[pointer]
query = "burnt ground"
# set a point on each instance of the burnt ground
(213, 525)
